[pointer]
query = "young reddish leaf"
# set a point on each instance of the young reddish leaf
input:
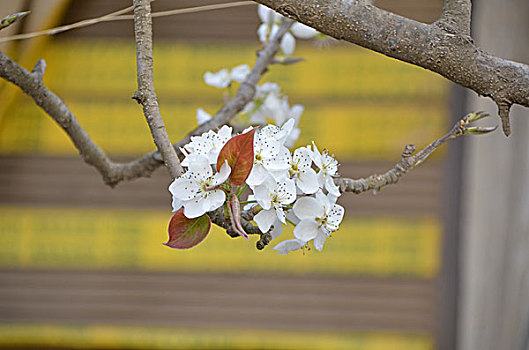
(185, 233)
(238, 151)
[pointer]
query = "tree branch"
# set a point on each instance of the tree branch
(409, 160)
(145, 95)
(449, 52)
(456, 16)
(113, 173)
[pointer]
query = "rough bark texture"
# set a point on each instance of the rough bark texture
(145, 95)
(444, 47)
(495, 254)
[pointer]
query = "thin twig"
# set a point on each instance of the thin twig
(146, 95)
(409, 160)
(80, 24)
(118, 16)
(193, 9)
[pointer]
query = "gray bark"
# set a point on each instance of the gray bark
(443, 47)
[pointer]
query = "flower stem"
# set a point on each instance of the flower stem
(240, 190)
(290, 222)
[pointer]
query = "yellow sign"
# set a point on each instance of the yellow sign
(139, 337)
(132, 239)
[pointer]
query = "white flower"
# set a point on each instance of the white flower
(271, 158)
(300, 170)
(328, 166)
(202, 116)
(275, 133)
(240, 73)
(208, 144)
(271, 106)
(294, 113)
(220, 79)
(270, 25)
(318, 218)
(196, 189)
(272, 196)
(289, 245)
(223, 78)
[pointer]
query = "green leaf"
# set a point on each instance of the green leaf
(238, 151)
(185, 233)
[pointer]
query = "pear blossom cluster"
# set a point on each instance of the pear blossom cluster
(286, 187)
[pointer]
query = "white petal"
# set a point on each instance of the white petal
(296, 111)
(268, 88)
(319, 241)
(288, 44)
(306, 230)
(285, 191)
(280, 161)
(279, 175)
(292, 138)
(199, 167)
(262, 32)
(222, 175)
(308, 208)
(280, 213)
(184, 189)
(214, 199)
(277, 230)
(177, 204)
(287, 127)
(325, 201)
(263, 196)
(302, 157)
(274, 30)
(316, 156)
(307, 181)
(331, 187)
(264, 219)
(334, 218)
(239, 73)
(224, 133)
(303, 31)
(220, 80)
(202, 116)
(289, 245)
(265, 14)
(257, 176)
(194, 208)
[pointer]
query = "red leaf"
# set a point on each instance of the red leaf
(238, 151)
(185, 233)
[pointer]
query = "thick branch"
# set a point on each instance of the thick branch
(456, 16)
(145, 95)
(450, 53)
